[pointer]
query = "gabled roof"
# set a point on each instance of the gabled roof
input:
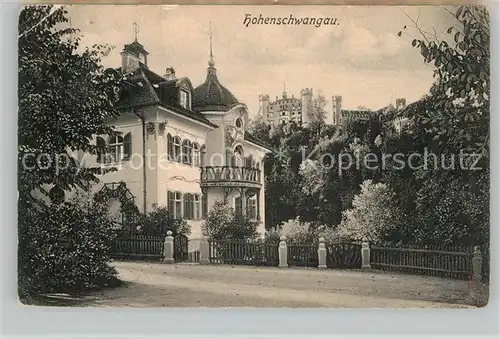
(146, 88)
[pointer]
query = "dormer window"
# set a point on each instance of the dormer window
(185, 99)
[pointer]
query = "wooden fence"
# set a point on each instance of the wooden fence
(343, 256)
(302, 255)
(451, 262)
(235, 252)
(138, 247)
(454, 262)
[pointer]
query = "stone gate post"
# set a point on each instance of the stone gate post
(168, 249)
(321, 253)
(365, 255)
(204, 250)
(283, 252)
(475, 284)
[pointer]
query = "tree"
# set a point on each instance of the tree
(375, 215)
(65, 98)
(223, 224)
(158, 221)
(259, 129)
(460, 96)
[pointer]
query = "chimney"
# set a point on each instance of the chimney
(170, 74)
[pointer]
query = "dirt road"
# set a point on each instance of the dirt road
(191, 285)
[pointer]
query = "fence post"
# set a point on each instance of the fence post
(168, 249)
(321, 253)
(477, 263)
(204, 250)
(283, 252)
(365, 255)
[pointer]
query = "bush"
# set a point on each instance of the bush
(272, 236)
(298, 232)
(224, 224)
(375, 215)
(160, 220)
(63, 248)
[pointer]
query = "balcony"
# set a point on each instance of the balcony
(230, 176)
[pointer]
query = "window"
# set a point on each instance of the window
(188, 206)
(249, 162)
(185, 205)
(115, 148)
(187, 155)
(252, 208)
(101, 150)
(177, 150)
(204, 206)
(238, 206)
(170, 147)
(174, 203)
(196, 154)
(238, 156)
(127, 146)
(185, 99)
(196, 207)
(229, 158)
(203, 154)
(239, 123)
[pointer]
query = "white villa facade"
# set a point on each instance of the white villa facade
(192, 142)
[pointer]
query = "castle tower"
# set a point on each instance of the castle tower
(263, 105)
(336, 109)
(306, 96)
(400, 103)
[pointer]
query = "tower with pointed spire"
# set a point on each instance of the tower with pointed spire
(211, 95)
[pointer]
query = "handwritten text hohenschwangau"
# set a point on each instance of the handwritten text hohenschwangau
(289, 21)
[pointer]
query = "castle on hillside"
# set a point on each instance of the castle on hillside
(287, 109)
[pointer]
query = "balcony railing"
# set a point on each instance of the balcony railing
(227, 175)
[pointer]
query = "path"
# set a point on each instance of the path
(191, 285)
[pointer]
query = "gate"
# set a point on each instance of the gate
(180, 248)
(343, 255)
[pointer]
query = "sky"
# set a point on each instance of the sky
(361, 58)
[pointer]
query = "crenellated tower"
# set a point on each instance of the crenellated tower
(306, 97)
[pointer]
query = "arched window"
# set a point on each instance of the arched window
(127, 146)
(177, 150)
(170, 147)
(187, 155)
(238, 156)
(196, 154)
